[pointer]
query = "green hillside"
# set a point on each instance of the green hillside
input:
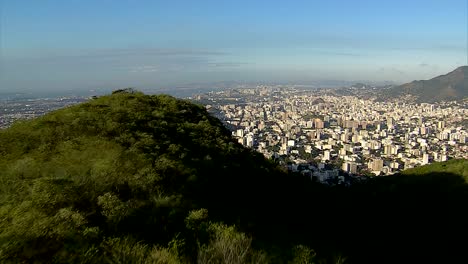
(456, 167)
(79, 182)
(132, 178)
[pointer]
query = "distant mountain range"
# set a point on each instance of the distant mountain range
(451, 86)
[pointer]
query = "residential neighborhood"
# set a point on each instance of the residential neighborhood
(324, 135)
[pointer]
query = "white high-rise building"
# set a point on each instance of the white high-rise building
(240, 132)
(425, 159)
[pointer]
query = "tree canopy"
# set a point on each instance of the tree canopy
(123, 165)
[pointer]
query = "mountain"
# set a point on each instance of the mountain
(451, 86)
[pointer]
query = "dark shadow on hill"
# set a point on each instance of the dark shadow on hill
(396, 219)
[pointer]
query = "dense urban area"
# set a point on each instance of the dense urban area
(328, 135)
(13, 109)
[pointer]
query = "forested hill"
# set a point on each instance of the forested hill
(133, 178)
(123, 166)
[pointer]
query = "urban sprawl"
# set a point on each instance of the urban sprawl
(328, 136)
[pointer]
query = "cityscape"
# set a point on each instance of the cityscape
(326, 136)
(12, 110)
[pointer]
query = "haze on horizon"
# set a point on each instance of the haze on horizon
(55, 45)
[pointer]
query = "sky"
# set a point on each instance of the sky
(88, 44)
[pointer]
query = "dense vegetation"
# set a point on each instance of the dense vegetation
(131, 178)
(86, 181)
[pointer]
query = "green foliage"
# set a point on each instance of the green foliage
(229, 246)
(303, 255)
(126, 250)
(118, 165)
(196, 219)
(457, 167)
(113, 208)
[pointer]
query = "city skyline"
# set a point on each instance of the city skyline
(53, 45)
(319, 132)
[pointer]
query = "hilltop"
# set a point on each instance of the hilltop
(451, 86)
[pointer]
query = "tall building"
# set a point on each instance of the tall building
(388, 149)
(376, 165)
(425, 159)
(389, 122)
(462, 139)
(443, 157)
(240, 132)
(318, 123)
(350, 167)
(343, 151)
(364, 125)
(345, 137)
(441, 124)
(249, 142)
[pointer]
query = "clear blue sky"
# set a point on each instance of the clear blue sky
(53, 45)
